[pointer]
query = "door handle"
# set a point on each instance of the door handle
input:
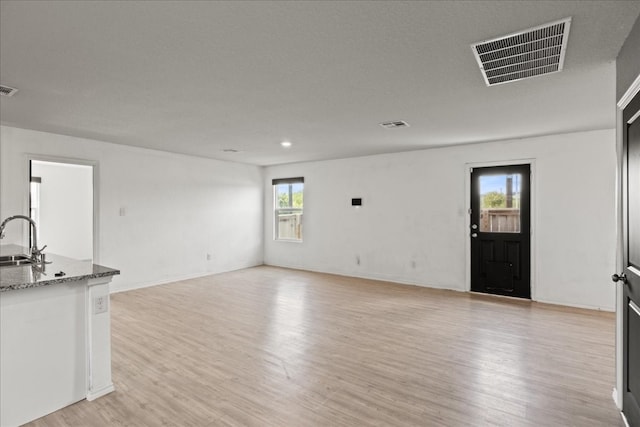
(474, 235)
(622, 278)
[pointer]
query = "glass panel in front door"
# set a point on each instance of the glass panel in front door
(500, 203)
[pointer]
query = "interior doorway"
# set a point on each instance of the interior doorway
(630, 276)
(61, 202)
(500, 230)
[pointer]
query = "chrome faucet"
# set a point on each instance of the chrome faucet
(36, 254)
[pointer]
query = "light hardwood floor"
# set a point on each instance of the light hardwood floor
(274, 347)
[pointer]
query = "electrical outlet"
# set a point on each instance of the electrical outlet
(100, 304)
(357, 259)
(208, 257)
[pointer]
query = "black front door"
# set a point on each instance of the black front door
(500, 230)
(631, 275)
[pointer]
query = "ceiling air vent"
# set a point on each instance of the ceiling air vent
(394, 125)
(7, 91)
(529, 53)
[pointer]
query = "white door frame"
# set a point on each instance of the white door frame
(625, 99)
(533, 208)
(96, 195)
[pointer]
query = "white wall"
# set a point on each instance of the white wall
(177, 208)
(413, 226)
(66, 208)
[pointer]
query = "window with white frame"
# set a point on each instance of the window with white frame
(288, 205)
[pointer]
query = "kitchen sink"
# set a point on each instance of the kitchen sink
(15, 260)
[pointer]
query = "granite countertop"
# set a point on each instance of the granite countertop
(31, 276)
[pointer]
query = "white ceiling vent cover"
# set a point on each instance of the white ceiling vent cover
(529, 53)
(7, 91)
(395, 124)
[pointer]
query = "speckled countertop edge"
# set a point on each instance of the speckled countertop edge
(29, 276)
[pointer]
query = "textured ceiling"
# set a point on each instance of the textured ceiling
(201, 77)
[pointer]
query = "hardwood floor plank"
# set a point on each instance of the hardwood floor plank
(269, 346)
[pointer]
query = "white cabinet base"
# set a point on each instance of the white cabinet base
(53, 350)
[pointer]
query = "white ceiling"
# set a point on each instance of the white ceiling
(200, 77)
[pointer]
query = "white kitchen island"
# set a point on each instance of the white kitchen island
(55, 344)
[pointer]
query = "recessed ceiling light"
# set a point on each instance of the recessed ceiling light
(286, 144)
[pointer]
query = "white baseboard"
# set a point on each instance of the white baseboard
(402, 281)
(159, 282)
(142, 285)
(93, 395)
(614, 395)
(376, 277)
(567, 304)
